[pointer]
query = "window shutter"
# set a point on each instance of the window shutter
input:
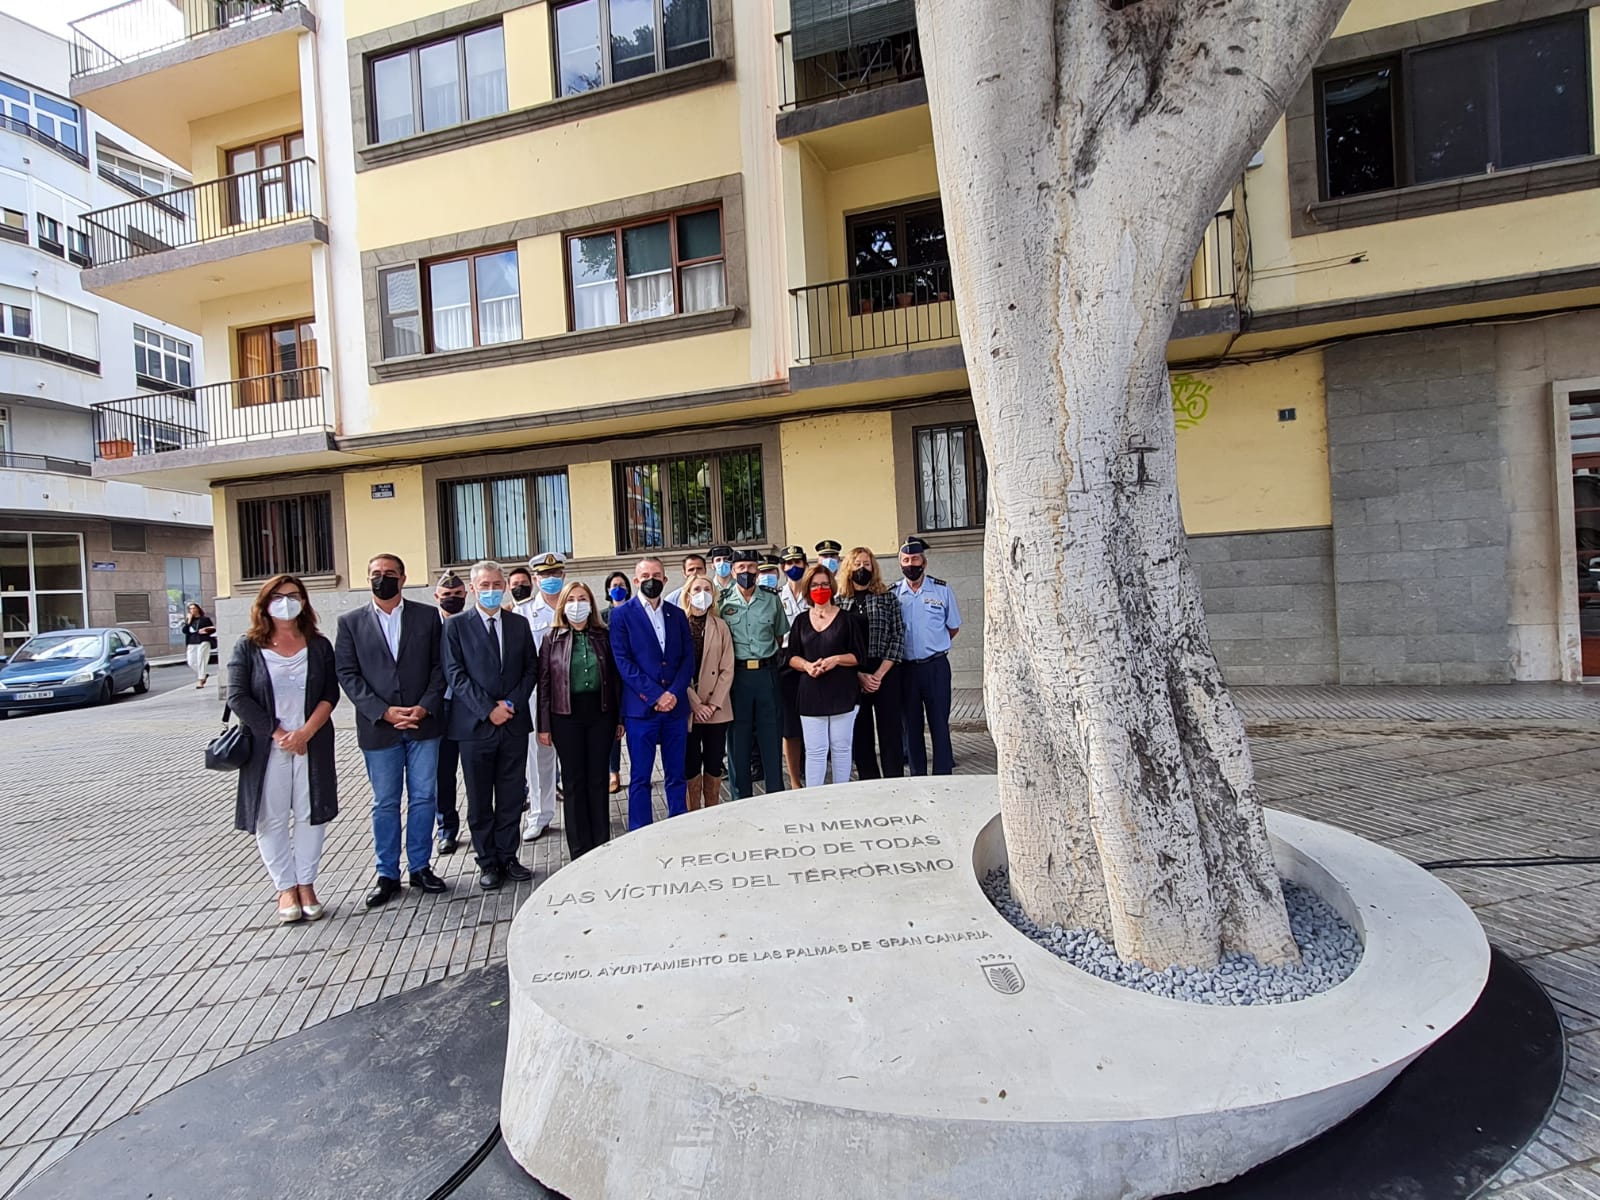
(821, 26)
(132, 608)
(83, 332)
(14, 193)
(50, 323)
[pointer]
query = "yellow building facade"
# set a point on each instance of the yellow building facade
(612, 277)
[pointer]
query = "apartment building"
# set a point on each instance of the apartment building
(607, 276)
(76, 550)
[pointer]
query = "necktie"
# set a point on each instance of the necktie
(494, 642)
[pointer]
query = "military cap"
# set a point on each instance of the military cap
(913, 545)
(829, 546)
(793, 554)
(721, 552)
(547, 562)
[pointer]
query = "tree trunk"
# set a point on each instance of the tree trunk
(1083, 147)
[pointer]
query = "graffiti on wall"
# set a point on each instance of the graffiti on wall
(1191, 400)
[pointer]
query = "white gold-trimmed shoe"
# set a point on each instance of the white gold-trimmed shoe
(288, 916)
(314, 912)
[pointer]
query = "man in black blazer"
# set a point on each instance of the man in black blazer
(492, 667)
(387, 655)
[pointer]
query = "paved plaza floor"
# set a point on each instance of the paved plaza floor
(141, 947)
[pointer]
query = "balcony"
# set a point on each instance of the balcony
(287, 417)
(159, 254)
(866, 79)
(154, 66)
(45, 463)
(901, 323)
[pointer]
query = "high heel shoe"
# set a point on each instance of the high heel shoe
(314, 912)
(288, 916)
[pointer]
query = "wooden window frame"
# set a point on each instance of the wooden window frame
(277, 386)
(1402, 113)
(898, 213)
(259, 184)
(413, 55)
(449, 552)
(425, 292)
(607, 79)
(977, 507)
(713, 458)
(616, 230)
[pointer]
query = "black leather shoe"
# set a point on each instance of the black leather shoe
(383, 891)
(447, 844)
(425, 880)
(489, 880)
(516, 872)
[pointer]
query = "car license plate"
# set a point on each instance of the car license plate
(35, 696)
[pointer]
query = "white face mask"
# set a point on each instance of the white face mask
(577, 610)
(700, 601)
(285, 608)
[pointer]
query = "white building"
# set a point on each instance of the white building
(75, 550)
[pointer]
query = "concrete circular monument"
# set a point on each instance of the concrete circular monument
(811, 995)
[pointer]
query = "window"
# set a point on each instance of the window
(58, 120)
(50, 236)
(443, 83)
(1506, 99)
(128, 538)
(473, 300)
(160, 361)
(41, 586)
(132, 608)
(278, 362)
(13, 225)
(599, 42)
(156, 437)
(149, 179)
(898, 256)
(952, 477)
(509, 517)
(286, 534)
(677, 503)
(265, 186)
(78, 247)
(16, 321)
(669, 265)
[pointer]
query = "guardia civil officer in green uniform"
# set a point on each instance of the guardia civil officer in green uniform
(932, 621)
(756, 621)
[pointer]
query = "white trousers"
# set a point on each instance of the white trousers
(200, 659)
(290, 844)
(825, 737)
(542, 769)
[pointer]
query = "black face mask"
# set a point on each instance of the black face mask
(650, 588)
(385, 587)
(861, 576)
(912, 573)
(745, 579)
(521, 592)
(452, 604)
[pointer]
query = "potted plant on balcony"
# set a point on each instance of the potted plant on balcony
(116, 448)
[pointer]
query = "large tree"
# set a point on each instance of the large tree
(1083, 147)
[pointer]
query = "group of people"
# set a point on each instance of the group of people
(528, 683)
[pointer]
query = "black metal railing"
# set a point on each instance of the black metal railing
(205, 212)
(138, 28)
(18, 125)
(240, 410)
(13, 461)
(859, 68)
(864, 314)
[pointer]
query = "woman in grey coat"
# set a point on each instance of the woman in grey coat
(283, 685)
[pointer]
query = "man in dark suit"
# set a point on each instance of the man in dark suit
(450, 594)
(387, 656)
(491, 667)
(654, 651)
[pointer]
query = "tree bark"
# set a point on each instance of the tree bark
(1083, 147)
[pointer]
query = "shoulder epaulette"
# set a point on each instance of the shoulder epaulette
(936, 579)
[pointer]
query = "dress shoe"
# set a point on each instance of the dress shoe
(516, 872)
(383, 891)
(532, 833)
(288, 916)
(314, 912)
(447, 844)
(489, 880)
(425, 880)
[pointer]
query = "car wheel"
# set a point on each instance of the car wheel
(106, 692)
(143, 685)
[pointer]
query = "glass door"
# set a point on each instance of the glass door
(183, 589)
(41, 586)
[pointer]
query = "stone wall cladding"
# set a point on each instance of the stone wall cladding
(1421, 526)
(1269, 604)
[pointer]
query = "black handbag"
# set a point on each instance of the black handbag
(230, 749)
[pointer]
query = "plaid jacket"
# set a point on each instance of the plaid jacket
(886, 628)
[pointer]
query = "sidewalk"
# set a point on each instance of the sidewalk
(141, 948)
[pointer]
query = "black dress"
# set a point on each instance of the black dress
(836, 692)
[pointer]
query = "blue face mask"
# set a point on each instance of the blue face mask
(618, 594)
(491, 599)
(832, 564)
(724, 569)
(795, 571)
(551, 586)
(769, 581)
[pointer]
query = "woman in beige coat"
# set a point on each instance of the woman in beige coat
(710, 710)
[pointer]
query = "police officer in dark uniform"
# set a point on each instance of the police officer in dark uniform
(932, 620)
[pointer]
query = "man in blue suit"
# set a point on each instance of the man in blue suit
(655, 661)
(491, 667)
